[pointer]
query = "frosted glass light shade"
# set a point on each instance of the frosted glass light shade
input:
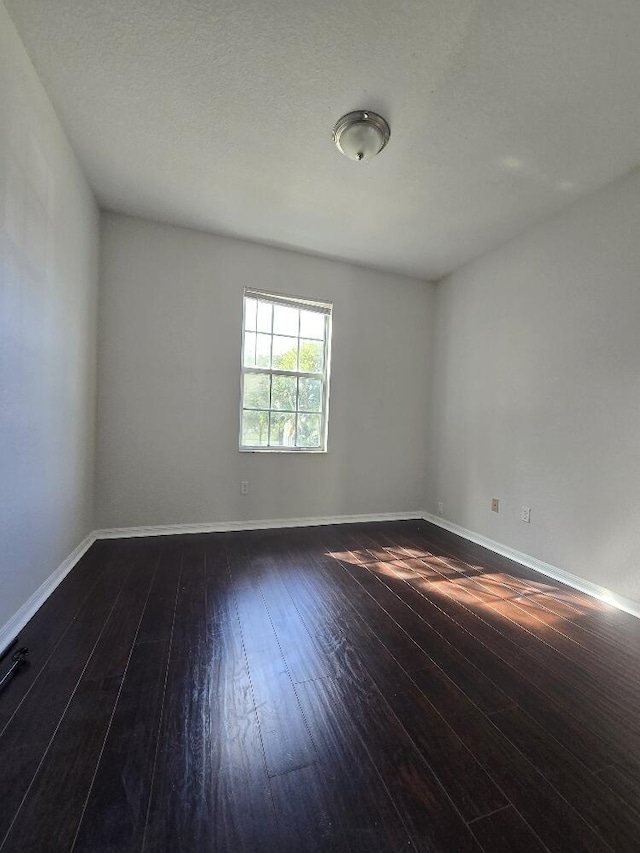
(361, 135)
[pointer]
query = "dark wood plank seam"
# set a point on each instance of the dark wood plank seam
(488, 814)
(494, 564)
(512, 704)
(253, 697)
(598, 773)
(49, 657)
(462, 606)
(417, 751)
(161, 716)
(48, 747)
(115, 705)
(524, 757)
(489, 716)
(364, 745)
(524, 821)
(391, 710)
(598, 656)
(306, 723)
(518, 629)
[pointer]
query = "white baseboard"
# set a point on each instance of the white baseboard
(19, 619)
(265, 524)
(592, 589)
(17, 622)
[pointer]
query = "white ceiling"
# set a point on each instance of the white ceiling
(217, 114)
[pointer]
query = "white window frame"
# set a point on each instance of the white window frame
(319, 306)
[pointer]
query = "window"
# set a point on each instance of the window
(285, 373)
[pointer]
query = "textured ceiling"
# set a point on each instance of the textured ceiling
(218, 115)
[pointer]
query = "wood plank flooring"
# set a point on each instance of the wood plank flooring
(371, 687)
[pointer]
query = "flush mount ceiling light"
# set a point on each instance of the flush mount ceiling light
(361, 135)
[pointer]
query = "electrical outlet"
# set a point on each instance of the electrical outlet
(244, 487)
(525, 514)
(495, 505)
(440, 508)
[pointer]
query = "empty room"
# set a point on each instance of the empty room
(319, 426)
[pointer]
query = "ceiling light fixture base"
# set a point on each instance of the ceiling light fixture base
(361, 134)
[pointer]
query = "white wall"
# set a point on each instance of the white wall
(48, 286)
(537, 391)
(169, 383)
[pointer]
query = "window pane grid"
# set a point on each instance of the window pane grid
(301, 409)
(259, 397)
(284, 389)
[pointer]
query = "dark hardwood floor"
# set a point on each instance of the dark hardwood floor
(378, 687)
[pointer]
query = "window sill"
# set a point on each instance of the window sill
(294, 451)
